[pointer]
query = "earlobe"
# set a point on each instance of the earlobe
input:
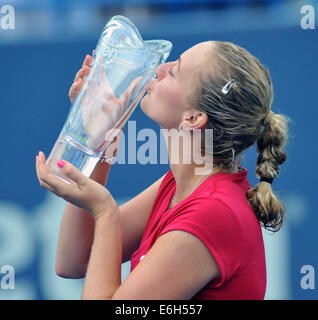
(199, 121)
(194, 121)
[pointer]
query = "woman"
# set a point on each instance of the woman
(188, 236)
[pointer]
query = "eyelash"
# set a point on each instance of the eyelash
(171, 74)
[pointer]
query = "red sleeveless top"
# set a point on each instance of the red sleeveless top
(218, 213)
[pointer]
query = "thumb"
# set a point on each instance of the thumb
(127, 94)
(72, 172)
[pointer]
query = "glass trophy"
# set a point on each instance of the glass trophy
(122, 66)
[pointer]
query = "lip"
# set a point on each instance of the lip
(148, 86)
(148, 89)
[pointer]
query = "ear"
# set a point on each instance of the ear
(195, 120)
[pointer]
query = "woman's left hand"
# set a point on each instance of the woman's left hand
(84, 192)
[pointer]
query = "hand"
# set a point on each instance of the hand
(84, 192)
(100, 107)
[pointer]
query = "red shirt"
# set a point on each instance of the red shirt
(217, 212)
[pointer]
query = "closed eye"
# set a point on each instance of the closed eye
(171, 73)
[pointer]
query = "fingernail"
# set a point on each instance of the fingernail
(78, 80)
(36, 158)
(93, 52)
(61, 163)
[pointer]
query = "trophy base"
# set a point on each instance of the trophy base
(71, 151)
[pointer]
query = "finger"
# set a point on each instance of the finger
(72, 173)
(75, 89)
(36, 165)
(78, 82)
(111, 109)
(82, 73)
(87, 60)
(41, 165)
(112, 149)
(78, 74)
(46, 186)
(39, 171)
(43, 172)
(134, 83)
(102, 77)
(51, 182)
(126, 96)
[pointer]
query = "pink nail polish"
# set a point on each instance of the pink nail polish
(61, 163)
(36, 158)
(78, 80)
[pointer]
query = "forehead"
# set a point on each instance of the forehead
(195, 57)
(193, 62)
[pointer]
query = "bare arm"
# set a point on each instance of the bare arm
(180, 261)
(76, 234)
(77, 229)
(77, 225)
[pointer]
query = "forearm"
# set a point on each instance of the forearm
(103, 275)
(77, 233)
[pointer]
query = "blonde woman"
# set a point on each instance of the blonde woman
(188, 236)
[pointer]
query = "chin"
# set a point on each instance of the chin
(145, 105)
(142, 105)
(147, 109)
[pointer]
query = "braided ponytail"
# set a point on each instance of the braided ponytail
(268, 208)
(241, 116)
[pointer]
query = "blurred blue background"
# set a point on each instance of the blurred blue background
(38, 61)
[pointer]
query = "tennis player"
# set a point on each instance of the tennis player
(188, 235)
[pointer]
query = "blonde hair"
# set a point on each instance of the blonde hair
(237, 119)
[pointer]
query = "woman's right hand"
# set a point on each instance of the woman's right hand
(79, 78)
(76, 88)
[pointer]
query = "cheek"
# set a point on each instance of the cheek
(170, 98)
(164, 105)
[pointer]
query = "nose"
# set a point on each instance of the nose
(162, 70)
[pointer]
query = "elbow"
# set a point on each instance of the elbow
(70, 273)
(95, 297)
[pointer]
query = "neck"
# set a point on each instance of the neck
(188, 174)
(187, 180)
